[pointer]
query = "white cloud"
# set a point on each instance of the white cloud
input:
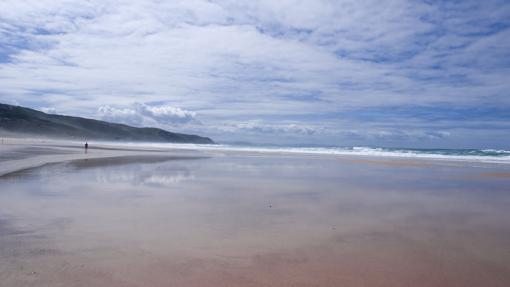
(48, 110)
(144, 115)
(166, 114)
(272, 128)
(120, 115)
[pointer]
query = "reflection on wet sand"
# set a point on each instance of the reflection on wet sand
(207, 222)
(140, 175)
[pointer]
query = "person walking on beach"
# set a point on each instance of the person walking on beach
(86, 145)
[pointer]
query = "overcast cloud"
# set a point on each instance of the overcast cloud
(431, 73)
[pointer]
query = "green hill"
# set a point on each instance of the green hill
(18, 119)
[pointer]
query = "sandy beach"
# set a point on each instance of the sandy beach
(23, 153)
(146, 216)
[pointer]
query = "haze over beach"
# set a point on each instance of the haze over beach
(254, 143)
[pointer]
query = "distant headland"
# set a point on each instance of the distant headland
(17, 119)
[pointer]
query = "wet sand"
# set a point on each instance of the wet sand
(497, 174)
(19, 154)
(244, 219)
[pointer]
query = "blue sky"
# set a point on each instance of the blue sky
(393, 73)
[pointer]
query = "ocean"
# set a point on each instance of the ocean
(473, 155)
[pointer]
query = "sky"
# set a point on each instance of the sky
(319, 72)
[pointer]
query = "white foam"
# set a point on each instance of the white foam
(360, 151)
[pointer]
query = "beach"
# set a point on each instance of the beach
(135, 215)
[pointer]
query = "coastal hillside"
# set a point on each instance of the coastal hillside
(23, 120)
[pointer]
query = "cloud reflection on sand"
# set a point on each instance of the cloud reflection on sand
(144, 175)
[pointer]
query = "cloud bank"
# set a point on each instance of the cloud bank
(143, 115)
